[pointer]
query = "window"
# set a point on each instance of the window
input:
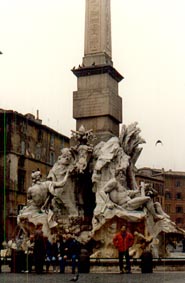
(40, 136)
(21, 180)
(178, 196)
(179, 209)
(177, 183)
(19, 207)
(161, 189)
(23, 127)
(38, 151)
(168, 208)
(167, 195)
(11, 209)
(179, 220)
(52, 139)
(21, 161)
(23, 147)
(52, 158)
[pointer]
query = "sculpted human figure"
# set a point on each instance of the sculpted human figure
(64, 195)
(83, 148)
(83, 156)
(110, 158)
(40, 191)
(140, 244)
(151, 192)
(130, 140)
(127, 199)
(83, 136)
(65, 163)
(36, 197)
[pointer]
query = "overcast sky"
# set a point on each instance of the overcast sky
(42, 40)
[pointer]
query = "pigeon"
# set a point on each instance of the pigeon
(93, 64)
(1, 52)
(75, 278)
(158, 141)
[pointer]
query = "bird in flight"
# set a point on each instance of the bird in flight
(158, 142)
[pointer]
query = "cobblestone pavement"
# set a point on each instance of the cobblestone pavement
(166, 277)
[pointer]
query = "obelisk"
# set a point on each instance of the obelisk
(96, 103)
(98, 44)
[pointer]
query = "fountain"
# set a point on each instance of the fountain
(91, 191)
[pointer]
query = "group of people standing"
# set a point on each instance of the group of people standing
(61, 249)
(39, 251)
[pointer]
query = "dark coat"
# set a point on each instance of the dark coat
(73, 247)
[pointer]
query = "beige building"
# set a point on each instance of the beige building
(25, 145)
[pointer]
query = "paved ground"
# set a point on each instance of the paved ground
(167, 277)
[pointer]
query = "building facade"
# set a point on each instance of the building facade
(171, 189)
(174, 183)
(25, 146)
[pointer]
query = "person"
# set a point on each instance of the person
(39, 249)
(62, 252)
(29, 253)
(48, 253)
(123, 241)
(18, 260)
(51, 253)
(72, 251)
(54, 253)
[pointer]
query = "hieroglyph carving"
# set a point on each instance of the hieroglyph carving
(98, 27)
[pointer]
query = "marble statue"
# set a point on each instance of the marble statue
(64, 195)
(91, 191)
(141, 242)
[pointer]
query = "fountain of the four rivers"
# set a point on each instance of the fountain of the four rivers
(91, 190)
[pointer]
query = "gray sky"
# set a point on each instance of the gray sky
(43, 39)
